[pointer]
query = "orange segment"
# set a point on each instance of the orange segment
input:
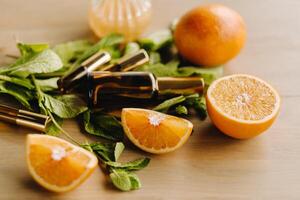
(242, 106)
(56, 164)
(155, 132)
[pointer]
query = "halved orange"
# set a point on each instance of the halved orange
(155, 132)
(56, 164)
(242, 106)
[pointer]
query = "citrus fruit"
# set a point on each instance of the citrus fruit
(210, 35)
(56, 164)
(155, 132)
(242, 106)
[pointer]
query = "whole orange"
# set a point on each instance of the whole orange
(210, 35)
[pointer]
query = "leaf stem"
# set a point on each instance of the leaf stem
(61, 129)
(40, 95)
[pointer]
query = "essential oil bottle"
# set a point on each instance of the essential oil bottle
(125, 86)
(116, 84)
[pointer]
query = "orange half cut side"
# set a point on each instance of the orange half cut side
(155, 132)
(242, 106)
(56, 164)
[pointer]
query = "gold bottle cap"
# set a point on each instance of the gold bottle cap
(129, 63)
(24, 118)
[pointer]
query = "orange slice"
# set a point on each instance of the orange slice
(56, 164)
(155, 132)
(242, 106)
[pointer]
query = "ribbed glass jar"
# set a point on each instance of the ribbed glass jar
(128, 17)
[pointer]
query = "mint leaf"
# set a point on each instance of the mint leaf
(65, 106)
(44, 62)
(198, 103)
(108, 43)
(119, 148)
(135, 181)
(18, 81)
(130, 166)
(48, 84)
(156, 40)
(70, 51)
(52, 129)
(108, 151)
(125, 180)
(121, 180)
(120, 173)
(183, 103)
(154, 58)
(181, 110)
(208, 74)
(103, 125)
(161, 70)
(131, 48)
(172, 69)
(22, 94)
(28, 49)
(164, 106)
(200, 107)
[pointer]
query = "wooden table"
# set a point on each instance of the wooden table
(210, 165)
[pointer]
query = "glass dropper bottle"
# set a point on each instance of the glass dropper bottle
(124, 86)
(121, 83)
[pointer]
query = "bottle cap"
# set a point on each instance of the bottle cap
(129, 63)
(24, 118)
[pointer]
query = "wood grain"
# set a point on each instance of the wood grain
(210, 165)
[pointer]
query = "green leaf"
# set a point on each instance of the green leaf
(48, 84)
(52, 129)
(208, 74)
(44, 62)
(161, 70)
(18, 81)
(119, 148)
(131, 48)
(156, 40)
(27, 49)
(172, 69)
(130, 166)
(70, 51)
(164, 106)
(181, 110)
(65, 106)
(121, 180)
(109, 43)
(198, 103)
(108, 151)
(154, 58)
(125, 180)
(22, 94)
(200, 107)
(103, 125)
(135, 181)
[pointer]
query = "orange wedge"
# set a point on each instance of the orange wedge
(56, 164)
(155, 132)
(242, 106)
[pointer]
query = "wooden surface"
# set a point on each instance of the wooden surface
(210, 165)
